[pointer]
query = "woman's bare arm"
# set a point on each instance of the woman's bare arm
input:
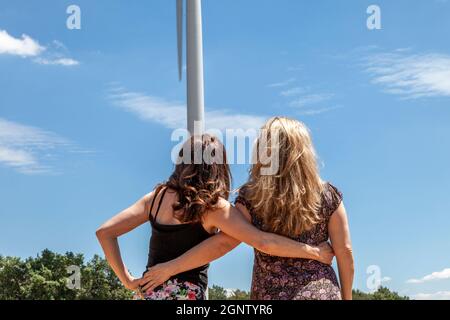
(235, 225)
(340, 240)
(108, 233)
(209, 250)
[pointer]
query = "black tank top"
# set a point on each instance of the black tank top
(171, 241)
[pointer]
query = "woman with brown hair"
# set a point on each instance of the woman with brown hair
(293, 202)
(187, 211)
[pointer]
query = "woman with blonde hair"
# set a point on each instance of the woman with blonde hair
(293, 202)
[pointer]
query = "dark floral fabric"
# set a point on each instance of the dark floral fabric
(276, 278)
(173, 290)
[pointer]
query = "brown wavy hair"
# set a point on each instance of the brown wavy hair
(201, 177)
(288, 201)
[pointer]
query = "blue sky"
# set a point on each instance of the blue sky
(86, 118)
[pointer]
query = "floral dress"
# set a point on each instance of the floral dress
(277, 278)
(173, 290)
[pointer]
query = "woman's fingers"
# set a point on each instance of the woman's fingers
(153, 284)
(151, 280)
(143, 281)
(150, 273)
(147, 276)
(153, 287)
(148, 286)
(327, 253)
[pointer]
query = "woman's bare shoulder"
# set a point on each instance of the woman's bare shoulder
(223, 205)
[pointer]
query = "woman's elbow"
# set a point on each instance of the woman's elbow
(344, 252)
(344, 258)
(102, 233)
(263, 244)
(99, 233)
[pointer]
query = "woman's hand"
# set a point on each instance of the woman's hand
(325, 252)
(132, 283)
(156, 276)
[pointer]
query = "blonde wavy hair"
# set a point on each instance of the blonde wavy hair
(288, 202)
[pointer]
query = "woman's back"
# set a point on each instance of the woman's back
(170, 239)
(287, 278)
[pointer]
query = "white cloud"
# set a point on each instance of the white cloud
(313, 112)
(59, 45)
(281, 84)
(386, 279)
(172, 114)
(54, 54)
(440, 295)
(439, 275)
(58, 61)
(301, 98)
(293, 92)
(16, 158)
(24, 46)
(28, 149)
(151, 108)
(309, 99)
(306, 102)
(226, 119)
(411, 76)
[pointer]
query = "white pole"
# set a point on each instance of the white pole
(195, 86)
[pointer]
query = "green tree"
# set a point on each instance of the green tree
(382, 293)
(13, 273)
(239, 295)
(217, 293)
(100, 282)
(359, 295)
(45, 278)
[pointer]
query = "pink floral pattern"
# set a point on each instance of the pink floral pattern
(322, 289)
(174, 290)
(276, 278)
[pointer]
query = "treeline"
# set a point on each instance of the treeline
(219, 293)
(383, 293)
(46, 277)
(53, 276)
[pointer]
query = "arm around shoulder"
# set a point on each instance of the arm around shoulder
(237, 225)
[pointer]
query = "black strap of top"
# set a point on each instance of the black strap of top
(151, 218)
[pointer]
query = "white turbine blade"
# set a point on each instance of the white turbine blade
(180, 37)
